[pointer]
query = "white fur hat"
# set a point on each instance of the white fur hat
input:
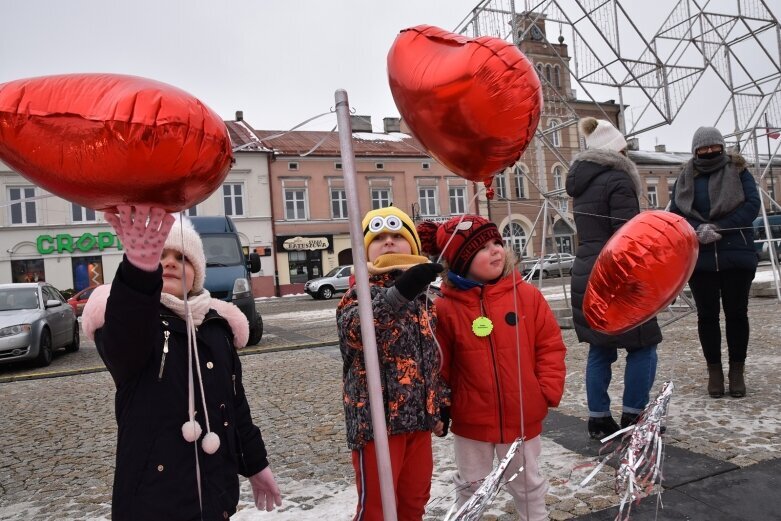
(183, 238)
(600, 134)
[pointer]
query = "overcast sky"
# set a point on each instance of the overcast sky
(279, 61)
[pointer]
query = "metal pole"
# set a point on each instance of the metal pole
(371, 360)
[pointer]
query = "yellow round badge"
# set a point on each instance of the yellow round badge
(482, 326)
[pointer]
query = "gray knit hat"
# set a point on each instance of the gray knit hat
(705, 136)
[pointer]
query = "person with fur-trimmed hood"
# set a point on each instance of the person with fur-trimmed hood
(503, 359)
(413, 391)
(718, 196)
(170, 390)
(605, 187)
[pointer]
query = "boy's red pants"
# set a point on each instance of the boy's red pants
(412, 464)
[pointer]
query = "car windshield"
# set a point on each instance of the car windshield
(18, 298)
(333, 272)
(222, 250)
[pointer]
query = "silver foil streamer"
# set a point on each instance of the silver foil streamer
(473, 509)
(638, 454)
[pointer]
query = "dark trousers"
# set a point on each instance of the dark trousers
(732, 288)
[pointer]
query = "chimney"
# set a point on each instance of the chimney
(391, 125)
(239, 115)
(660, 148)
(361, 123)
(633, 143)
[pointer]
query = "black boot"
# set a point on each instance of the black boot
(601, 427)
(737, 385)
(715, 381)
(629, 418)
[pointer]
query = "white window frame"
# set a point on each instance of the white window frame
(342, 201)
(555, 136)
(556, 76)
(559, 178)
(520, 181)
(652, 195)
(377, 202)
(23, 206)
(515, 241)
(233, 197)
(292, 166)
(83, 214)
(305, 199)
(426, 165)
(456, 195)
(432, 198)
(500, 184)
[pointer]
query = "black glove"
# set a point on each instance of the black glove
(444, 417)
(414, 280)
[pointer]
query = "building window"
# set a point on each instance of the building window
(379, 166)
(562, 203)
(557, 76)
(337, 166)
(426, 165)
(87, 271)
(501, 185)
(670, 186)
(381, 198)
(233, 199)
(27, 270)
(558, 178)
(295, 204)
(338, 203)
(22, 212)
(292, 165)
(81, 214)
(457, 200)
(520, 187)
(548, 73)
(653, 198)
(515, 238)
(427, 198)
(192, 211)
(539, 69)
(555, 136)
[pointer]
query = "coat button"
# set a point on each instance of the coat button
(226, 424)
(209, 365)
(225, 515)
(160, 468)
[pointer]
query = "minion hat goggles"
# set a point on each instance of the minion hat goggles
(390, 220)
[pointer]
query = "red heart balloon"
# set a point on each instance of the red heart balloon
(473, 103)
(640, 271)
(102, 140)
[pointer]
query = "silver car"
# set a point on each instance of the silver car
(35, 320)
(553, 265)
(336, 280)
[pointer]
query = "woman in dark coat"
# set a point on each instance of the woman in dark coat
(719, 198)
(163, 403)
(604, 185)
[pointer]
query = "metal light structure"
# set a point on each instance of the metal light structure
(730, 47)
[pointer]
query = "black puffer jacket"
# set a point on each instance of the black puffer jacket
(604, 186)
(155, 476)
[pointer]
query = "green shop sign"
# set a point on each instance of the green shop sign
(70, 243)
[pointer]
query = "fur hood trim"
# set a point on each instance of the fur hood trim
(613, 160)
(94, 316)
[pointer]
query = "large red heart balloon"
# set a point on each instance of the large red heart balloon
(640, 271)
(101, 140)
(473, 103)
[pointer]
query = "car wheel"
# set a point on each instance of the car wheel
(44, 349)
(326, 292)
(256, 331)
(74, 345)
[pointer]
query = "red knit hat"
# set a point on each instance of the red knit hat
(471, 234)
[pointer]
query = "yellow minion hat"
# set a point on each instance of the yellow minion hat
(390, 220)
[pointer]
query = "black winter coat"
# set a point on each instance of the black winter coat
(155, 476)
(604, 187)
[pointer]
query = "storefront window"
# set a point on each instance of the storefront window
(27, 270)
(87, 271)
(304, 265)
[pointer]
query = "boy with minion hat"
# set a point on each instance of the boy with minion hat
(409, 360)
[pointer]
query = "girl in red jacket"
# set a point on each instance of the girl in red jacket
(491, 324)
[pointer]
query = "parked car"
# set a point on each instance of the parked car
(35, 320)
(762, 243)
(78, 300)
(335, 281)
(552, 265)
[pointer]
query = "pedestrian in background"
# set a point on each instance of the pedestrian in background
(409, 363)
(718, 196)
(503, 359)
(169, 393)
(605, 187)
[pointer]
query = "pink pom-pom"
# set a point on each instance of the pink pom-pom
(191, 431)
(210, 443)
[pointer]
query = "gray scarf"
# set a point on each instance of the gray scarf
(725, 190)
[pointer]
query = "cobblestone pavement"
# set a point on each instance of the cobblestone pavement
(59, 433)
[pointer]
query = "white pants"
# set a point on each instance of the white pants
(475, 460)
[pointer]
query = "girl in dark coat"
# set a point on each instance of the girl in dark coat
(164, 403)
(719, 198)
(604, 185)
